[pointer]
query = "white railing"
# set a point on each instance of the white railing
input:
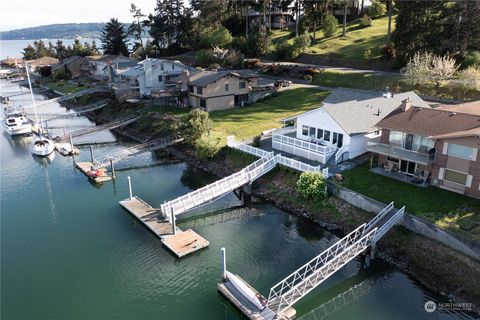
(297, 165)
(220, 187)
(285, 130)
(326, 150)
(110, 125)
(380, 215)
(309, 276)
(115, 157)
(247, 148)
(382, 230)
(340, 153)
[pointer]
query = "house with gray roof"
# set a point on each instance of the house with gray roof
(220, 90)
(342, 127)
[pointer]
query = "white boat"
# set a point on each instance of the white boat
(41, 145)
(16, 123)
(248, 293)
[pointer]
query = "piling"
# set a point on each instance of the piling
(224, 264)
(112, 168)
(91, 154)
(130, 187)
(172, 217)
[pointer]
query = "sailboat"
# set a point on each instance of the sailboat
(41, 145)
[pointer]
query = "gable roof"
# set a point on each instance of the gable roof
(475, 132)
(468, 107)
(44, 61)
(429, 122)
(203, 78)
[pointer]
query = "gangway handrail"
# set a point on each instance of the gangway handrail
(380, 215)
(389, 224)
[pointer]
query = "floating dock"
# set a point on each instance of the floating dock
(251, 311)
(85, 167)
(64, 150)
(180, 243)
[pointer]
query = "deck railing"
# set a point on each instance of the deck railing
(401, 153)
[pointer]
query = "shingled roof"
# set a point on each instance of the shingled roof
(203, 78)
(429, 122)
(468, 107)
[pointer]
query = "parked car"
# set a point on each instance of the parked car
(282, 83)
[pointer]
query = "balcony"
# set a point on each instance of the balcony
(397, 152)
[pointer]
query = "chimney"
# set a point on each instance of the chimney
(185, 77)
(406, 104)
(147, 67)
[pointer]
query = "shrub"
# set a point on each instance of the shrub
(203, 57)
(472, 59)
(329, 25)
(46, 71)
(311, 72)
(377, 9)
(60, 75)
(300, 44)
(389, 52)
(234, 58)
(196, 124)
(365, 21)
(311, 185)
(281, 50)
(207, 148)
(470, 78)
(239, 43)
(208, 37)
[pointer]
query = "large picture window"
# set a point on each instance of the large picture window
(319, 134)
(455, 176)
(396, 138)
(460, 151)
(326, 135)
(312, 132)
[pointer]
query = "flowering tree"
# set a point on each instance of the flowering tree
(426, 68)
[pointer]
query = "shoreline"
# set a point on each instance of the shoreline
(437, 267)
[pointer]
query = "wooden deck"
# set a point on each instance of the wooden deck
(246, 307)
(84, 167)
(181, 243)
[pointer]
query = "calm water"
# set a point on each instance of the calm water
(14, 48)
(69, 251)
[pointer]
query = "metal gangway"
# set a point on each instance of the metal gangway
(76, 111)
(306, 278)
(67, 97)
(110, 125)
(219, 188)
(103, 161)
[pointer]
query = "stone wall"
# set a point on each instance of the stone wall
(425, 228)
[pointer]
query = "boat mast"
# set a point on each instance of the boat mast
(31, 93)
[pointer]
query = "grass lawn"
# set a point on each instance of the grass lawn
(353, 47)
(444, 208)
(252, 120)
(64, 87)
(364, 80)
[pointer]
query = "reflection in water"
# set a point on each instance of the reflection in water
(220, 216)
(44, 162)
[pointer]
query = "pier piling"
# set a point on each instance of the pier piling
(172, 217)
(130, 187)
(112, 168)
(224, 264)
(91, 154)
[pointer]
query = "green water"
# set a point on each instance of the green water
(69, 251)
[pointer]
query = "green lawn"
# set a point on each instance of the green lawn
(250, 121)
(64, 86)
(353, 47)
(444, 208)
(364, 80)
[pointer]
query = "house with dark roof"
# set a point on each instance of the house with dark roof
(342, 127)
(437, 146)
(74, 66)
(220, 90)
(106, 67)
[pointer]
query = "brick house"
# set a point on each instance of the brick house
(438, 145)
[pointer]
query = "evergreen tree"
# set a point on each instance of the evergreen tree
(29, 53)
(136, 27)
(60, 50)
(114, 38)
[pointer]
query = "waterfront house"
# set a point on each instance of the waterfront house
(439, 146)
(278, 18)
(74, 66)
(220, 90)
(41, 62)
(342, 127)
(106, 67)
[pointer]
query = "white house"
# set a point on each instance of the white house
(342, 127)
(153, 74)
(106, 67)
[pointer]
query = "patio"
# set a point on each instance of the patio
(399, 176)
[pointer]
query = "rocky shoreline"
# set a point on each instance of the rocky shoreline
(437, 267)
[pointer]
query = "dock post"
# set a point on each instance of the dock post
(130, 187)
(91, 154)
(224, 264)
(172, 217)
(373, 248)
(112, 167)
(71, 144)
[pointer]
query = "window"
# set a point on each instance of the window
(305, 130)
(159, 78)
(190, 88)
(455, 176)
(326, 135)
(396, 160)
(319, 134)
(203, 103)
(340, 140)
(396, 138)
(226, 86)
(311, 132)
(161, 67)
(173, 66)
(241, 85)
(167, 77)
(199, 90)
(459, 151)
(334, 138)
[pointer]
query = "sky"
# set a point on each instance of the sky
(16, 14)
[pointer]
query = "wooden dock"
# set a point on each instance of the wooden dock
(180, 243)
(84, 167)
(65, 151)
(228, 290)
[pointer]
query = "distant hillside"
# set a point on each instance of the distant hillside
(56, 31)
